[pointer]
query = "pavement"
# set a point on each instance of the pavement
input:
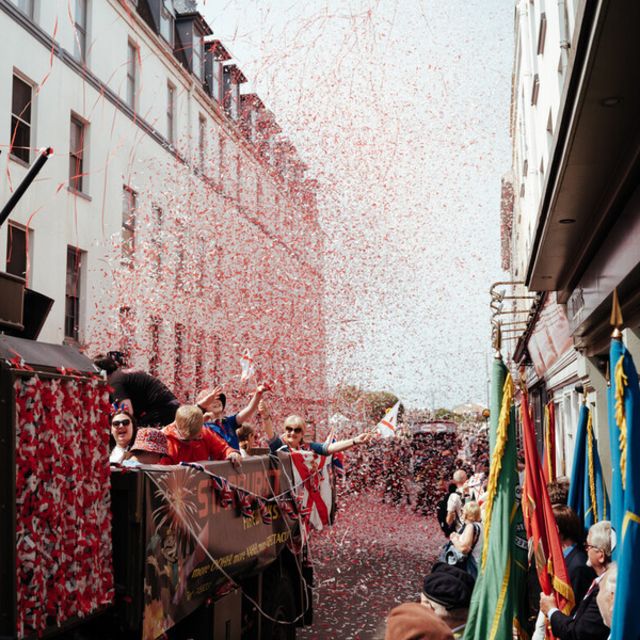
(373, 558)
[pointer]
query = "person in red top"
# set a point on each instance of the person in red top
(187, 441)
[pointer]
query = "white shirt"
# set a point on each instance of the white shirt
(117, 453)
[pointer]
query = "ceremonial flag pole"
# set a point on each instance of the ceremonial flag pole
(549, 464)
(497, 604)
(624, 429)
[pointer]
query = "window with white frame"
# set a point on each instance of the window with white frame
(21, 108)
(19, 244)
(129, 198)
(202, 143)
(171, 111)
(132, 73)
(197, 54)
(166, 21)
(77, 154)
(80, 25)
(216, 72)
(73, 293)
(26, 6)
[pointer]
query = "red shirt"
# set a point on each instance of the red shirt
(208, 446)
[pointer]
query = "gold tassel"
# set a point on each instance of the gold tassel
(621, 420)
(592, 474)
(496, 461)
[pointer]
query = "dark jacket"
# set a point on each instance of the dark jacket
(580, 575)
(585, 624)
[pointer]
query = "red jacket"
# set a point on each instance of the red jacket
(208, 446)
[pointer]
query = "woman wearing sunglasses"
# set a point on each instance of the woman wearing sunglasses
(292, 438)
(123, 433)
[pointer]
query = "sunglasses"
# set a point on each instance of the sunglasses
(121, 423)
(293, 429)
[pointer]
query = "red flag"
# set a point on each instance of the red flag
(541, 524)
(549, 453)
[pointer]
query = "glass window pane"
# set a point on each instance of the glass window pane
(21, 103)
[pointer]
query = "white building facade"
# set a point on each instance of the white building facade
(567, 234)
(165, 220)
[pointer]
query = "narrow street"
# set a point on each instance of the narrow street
(371, 560)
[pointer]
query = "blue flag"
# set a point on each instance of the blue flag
(587, 492)
(624, 426)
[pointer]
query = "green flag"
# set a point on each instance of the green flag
(498, 375)
(498, 601)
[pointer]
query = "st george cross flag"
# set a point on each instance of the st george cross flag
(313, 483)
(624, 429)
(389, 423)
(248, 368)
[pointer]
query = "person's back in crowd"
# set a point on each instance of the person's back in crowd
(146, 397)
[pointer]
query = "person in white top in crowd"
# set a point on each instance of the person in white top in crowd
(123, 433)
(456, 500)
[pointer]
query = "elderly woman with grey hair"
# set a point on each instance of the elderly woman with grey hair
(587, 622)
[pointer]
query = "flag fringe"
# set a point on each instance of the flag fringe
(496, 461)
(621, 381)
(592, 473)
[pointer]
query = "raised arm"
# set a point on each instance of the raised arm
(267, 421)
(248, 412)
(342, 445)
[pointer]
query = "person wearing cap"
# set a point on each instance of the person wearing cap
(188, 441)
(415, 621)
(586, 623)
(149, 447)
(212, 403)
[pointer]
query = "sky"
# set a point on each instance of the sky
(400, 108)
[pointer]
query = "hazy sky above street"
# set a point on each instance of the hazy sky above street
(401, 109)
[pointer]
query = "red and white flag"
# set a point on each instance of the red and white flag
(311, 476)
(248, 368)
(389, 424)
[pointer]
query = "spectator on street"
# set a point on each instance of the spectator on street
(456, 500)
(607, 593)
(587, 622)
(123, 434)
(188, 441)
(558, 490)
(468, 540)
(145, 397)
(149, 447)
(415, 621)
(213, 402)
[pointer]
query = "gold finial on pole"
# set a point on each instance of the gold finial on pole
(616, 317)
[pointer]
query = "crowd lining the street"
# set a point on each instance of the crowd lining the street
(422, 470)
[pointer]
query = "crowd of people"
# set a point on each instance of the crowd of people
(150, 426)
(447, 589)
